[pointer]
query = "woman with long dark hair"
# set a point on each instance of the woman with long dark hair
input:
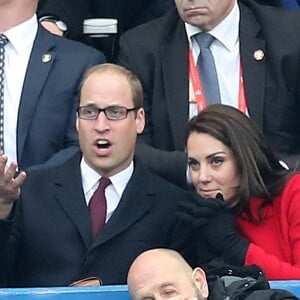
(251, 210)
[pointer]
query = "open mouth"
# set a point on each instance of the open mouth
(103, 144)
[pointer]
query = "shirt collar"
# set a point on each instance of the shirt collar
(90, 177)
(22, 36)
(227, 32)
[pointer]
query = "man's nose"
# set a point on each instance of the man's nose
(101, 123)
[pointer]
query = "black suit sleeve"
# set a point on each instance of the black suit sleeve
(170, 165)
(72, 12)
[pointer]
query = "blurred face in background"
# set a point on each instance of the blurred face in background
(205, 14)
(212, 167)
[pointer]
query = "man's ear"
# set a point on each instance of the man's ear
(199, 279)
(140, 120)
(77, 123)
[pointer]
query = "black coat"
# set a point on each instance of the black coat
(157, 53)
(242, 283)
(50, 239)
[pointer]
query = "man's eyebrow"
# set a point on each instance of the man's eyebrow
(165, 284)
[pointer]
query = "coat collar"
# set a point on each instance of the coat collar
(134, 204)
(253, 59)
(69, 194)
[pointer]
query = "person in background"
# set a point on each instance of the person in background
(160, 274)
(41, 76)
(255, 216)
(67, 225)
(64, 17)
(257, 71)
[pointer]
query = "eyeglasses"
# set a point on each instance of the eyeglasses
(111, 112)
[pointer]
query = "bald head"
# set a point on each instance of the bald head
(162, 273)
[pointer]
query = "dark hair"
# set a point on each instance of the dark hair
(261, 173)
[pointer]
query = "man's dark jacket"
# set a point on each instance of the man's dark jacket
(157, 53)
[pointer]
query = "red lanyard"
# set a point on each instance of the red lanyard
(198, 90)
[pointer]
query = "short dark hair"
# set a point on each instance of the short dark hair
(261, 172)
(133, 81)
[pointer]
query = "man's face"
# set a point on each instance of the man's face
(108, 145)
(165, 280)
(205, 14)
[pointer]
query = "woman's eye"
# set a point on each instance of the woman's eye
(193, 164)
(216, 161)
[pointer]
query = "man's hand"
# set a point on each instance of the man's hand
(52, 27)
(9, 186)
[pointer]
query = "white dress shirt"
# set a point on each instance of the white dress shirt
(226, 53)
(17, 53)
(113, 192)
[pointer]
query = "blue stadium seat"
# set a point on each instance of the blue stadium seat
(117, 292)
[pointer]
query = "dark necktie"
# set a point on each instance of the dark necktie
(3, 42)
(207, 69)
(97, 207)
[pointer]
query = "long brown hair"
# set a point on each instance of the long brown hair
(261, 172)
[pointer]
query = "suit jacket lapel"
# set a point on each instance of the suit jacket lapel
(174, 58)
(254, 68)
(134, 204)
(40, 62)
(70, 195)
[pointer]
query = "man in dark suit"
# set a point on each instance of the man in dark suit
(42, 73)
(47, 239)
(245, 43)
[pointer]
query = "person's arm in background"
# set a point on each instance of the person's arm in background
(170, 165)
(71, 12)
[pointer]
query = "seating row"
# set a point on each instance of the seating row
(117, 292)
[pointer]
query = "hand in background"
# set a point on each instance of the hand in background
(52, 27)
(9, 186)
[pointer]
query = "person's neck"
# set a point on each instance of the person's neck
(13, 16)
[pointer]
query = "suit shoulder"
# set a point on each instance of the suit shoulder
(55, 167)
(154, 29)
(282, 18)
(78, 47)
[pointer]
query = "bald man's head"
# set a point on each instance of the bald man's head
(162, 273)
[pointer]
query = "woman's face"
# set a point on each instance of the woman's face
(212, 167)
